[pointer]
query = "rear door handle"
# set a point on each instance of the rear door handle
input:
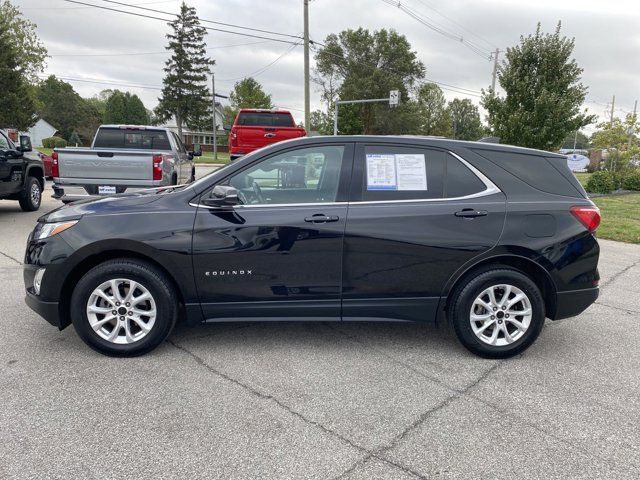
(471, 213)
(320, 218)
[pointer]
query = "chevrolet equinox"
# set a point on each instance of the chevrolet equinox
(491, 238)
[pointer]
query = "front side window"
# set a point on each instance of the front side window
(307, 175)
(401, 173)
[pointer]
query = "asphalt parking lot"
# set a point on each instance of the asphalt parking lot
(315, 400)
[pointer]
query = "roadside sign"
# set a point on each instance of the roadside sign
(394, 98)
(577, 162)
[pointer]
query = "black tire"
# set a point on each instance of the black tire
(29, 201)
(151, 278)
(174, 179)
(462, 300)
(193, 175)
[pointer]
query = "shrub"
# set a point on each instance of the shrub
(54, 142)
(601, 182)
(631, 181)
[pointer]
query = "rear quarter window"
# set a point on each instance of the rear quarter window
(132, 138)
(535, 170)
(460, 181)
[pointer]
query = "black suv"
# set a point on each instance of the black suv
(21, 176)
(492, 238)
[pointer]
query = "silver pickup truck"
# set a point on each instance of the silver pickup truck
(121, 158)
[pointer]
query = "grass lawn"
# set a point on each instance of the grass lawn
(207, 157)
(582, 177)
(620, 217)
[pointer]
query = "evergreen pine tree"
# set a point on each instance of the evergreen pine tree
(185, 94)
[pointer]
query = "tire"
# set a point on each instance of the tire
(504, 329)
(174, 179)
(130, 339)
(31, 195)
(193, 175)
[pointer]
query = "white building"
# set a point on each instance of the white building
(42, 129)
(205, 137)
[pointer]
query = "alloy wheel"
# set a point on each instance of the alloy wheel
(501, 315)
(121, 311)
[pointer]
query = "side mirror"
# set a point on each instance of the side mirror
(222, 196)
(25, 143)
(226, 128)
(197, 150)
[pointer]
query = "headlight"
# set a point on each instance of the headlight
(46, 230)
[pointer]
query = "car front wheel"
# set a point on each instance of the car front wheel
(31, 195)
(499, 313)
(124, 307)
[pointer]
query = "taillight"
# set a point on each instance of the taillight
(55, 168)
(233, 136)
(587, 216)
(157, 167)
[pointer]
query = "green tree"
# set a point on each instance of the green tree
(620, 139)
(581, 141)
(465, 120)
(543, 93)
(185, 94)
(433, 116)
(17, 98)
(60, 105)
(74, 139)
(248, 93)
(320, 122)
(21, 35)
(358, 64)
(125, 108)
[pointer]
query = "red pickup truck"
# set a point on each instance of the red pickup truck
(256, 128)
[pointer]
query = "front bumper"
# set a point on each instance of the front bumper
(574, 302)
(48, 310)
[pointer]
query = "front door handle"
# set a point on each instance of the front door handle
(320, 218)
(471, 213)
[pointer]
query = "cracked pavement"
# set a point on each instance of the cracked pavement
(319, 400)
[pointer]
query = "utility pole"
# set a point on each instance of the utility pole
(635, 109)
(613, 103)
(215, 126)
(307, 101)
(495, 69)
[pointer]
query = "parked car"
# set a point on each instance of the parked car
(490, 237)
(21, 174)
(256, 128)
(47, 163)
(121, 158)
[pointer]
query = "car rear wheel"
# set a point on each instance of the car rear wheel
(124, 307)
(31, 195)
(499, 313)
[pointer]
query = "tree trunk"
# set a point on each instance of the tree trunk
(179, 124)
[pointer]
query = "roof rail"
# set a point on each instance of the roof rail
(490, 140)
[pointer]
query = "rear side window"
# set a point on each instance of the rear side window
(132, 138)
(534, 170)
(4, 143)
(401, 173)
(265, 119)
(460, 180)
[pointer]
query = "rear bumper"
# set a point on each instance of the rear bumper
(71, 193)
(572, 303)
(47, 310)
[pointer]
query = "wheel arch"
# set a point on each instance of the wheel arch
(91, 261)
(529, 267)
(36, 171)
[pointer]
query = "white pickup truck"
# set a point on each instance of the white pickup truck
(121, 158)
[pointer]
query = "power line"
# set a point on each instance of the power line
(492, 45)
(441, 30)
(203, 19)
(266, 67)
(147, 53)
(168, 20)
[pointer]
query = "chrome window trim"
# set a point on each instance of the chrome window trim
(490, 189)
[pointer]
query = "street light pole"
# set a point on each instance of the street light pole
(215, 126)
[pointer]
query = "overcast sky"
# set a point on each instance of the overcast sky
(87, 43)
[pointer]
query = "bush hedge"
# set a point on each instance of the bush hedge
(631, 181)
(54, 142)
(605, 181)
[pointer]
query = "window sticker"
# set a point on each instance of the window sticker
(381, 172)
(411, 171)
(396, 172)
